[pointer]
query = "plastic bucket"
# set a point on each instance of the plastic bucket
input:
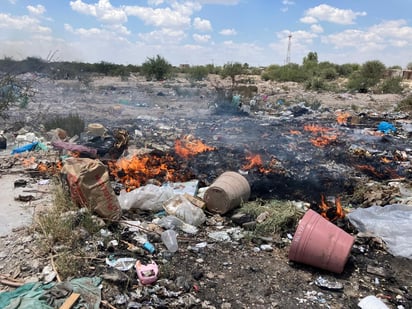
(227, 192)
(320, 243)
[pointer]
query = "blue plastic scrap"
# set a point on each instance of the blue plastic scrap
(386, 127)
(28, 147)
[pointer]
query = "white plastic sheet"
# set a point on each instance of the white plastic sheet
(391, 223)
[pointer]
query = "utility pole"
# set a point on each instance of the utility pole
(287, 61)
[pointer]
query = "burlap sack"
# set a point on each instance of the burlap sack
(89, 186)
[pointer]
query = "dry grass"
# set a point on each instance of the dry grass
(280, 216)
(63, 229)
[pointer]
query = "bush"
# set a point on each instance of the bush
(198, 73)
(157, 68)
(72, 124)
(405, 105)
(13, 91)
(392, 85)
(316, 84)
(367, 77)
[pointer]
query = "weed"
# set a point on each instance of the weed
(405, 105)
(72, 124)
(62, 229)
(280, 215)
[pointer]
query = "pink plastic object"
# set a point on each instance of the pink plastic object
(147, 273)
(320, 243)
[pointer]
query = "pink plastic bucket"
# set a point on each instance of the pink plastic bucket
(320, 243)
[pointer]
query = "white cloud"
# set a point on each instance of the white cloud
(102, 10)
(201, 38)
(202, 24)
(356, 39)
(331, 14)
(224, 2)
(228, 32)
(286, 4)
(106, 32)
(23, 23)
(155, 2)
(163, 36)
(36, 10)
(164, 17)
(380, 36)
(316, 28)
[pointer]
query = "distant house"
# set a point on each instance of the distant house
(407, 74)
(184, 66)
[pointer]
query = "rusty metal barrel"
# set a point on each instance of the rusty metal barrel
(227, 192)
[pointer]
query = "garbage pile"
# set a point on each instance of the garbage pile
(144, 223)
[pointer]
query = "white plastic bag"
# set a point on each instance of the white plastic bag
(182, 208)
(149, 197)
(391, 223)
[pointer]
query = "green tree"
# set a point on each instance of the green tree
(392, 85)
(156, 67)
(231, 70)
(367, 77)
(198, 72)
(13, 91)
(409, 66)
(346, 69)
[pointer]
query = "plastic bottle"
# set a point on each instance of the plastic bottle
(147, 245)
(169, 239)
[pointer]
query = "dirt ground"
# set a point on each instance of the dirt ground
(250, 272)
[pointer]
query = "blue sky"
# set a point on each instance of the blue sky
(200, 32)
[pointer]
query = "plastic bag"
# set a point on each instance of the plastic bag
(149, 197)
(392, 223)
(180, 207)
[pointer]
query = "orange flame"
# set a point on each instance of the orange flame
(136, 171)
(189, 146)
(295, 132)
(342, 118)
(315, 128)
(325, 136)
(322, 141)
(338, 210)
(254, 161)
(28, 162)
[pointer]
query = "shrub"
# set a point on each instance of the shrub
(198, 73)
(392, 85)
(405, 105)
(72, 124)
(157, 68)
(13, 91)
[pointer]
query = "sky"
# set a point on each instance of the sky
(200, 32)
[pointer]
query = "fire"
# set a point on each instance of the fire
(322, 141)
(254, 161)
(138, 170)
(28, 162)
(337, 211)
(315, 128)
(324, 137)
(342, 118)
(189, 146)
(369, 169)
(295, 132)
(49, 167)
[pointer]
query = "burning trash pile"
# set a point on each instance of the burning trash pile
(236, 179)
